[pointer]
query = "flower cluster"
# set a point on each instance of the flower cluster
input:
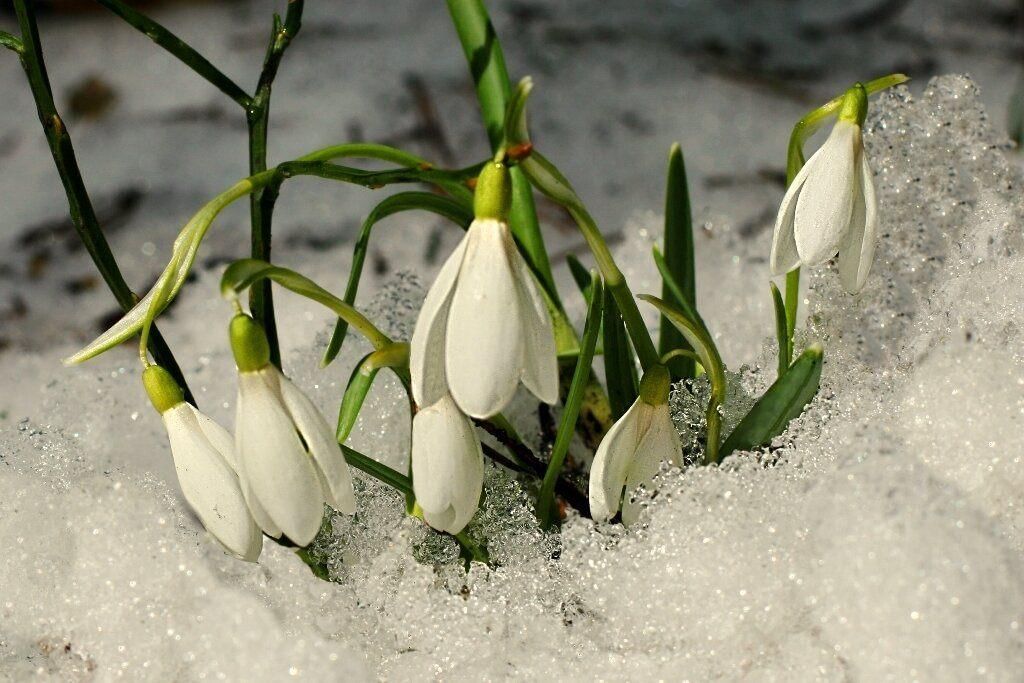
(487, 326)
(276, 474)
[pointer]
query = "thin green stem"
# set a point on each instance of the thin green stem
(180, 49)
(792, 305)
(490, 76)
(83, 216)
(447, 207)
(261, 208)
(616, 284)
(567, 426)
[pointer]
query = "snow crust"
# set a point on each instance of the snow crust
(881, 538)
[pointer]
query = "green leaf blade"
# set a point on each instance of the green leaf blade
(784, 400)
(679, 261)
(619, 365)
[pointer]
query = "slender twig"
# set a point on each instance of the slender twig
(180, 49)
(261, 204)
(83, 216)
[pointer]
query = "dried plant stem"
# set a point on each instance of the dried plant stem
(83, 216)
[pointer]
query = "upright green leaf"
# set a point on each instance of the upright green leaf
(784, 400)
(619, 362)
(781, 330)
(571, 408)
(582, 276)
(679, 261)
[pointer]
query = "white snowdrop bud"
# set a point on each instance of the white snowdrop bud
(447, 465)
(204, 460)
(830, 206)
(289, 461)
(633, 449)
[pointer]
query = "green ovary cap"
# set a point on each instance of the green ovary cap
(164, 392)
(493, 195)
(249, 344)
(855, 105)
(655, 385)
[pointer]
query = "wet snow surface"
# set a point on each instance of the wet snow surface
(886, 542)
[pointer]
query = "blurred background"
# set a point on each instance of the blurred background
(617, 81)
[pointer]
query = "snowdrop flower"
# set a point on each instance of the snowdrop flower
(484, 326)
(830, 206)
(447, 465)
(632, 451)
(204, 459)
(289, 461)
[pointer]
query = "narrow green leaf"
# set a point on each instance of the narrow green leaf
(781, 329)
(183, 255)
(619, 362)
(456, 211)
(784, 400)
(678, 295)
(516, 130)
(246, 272)
(359, 384)
(582, 276)
(571, 408)
(482, 49)
(679, 260)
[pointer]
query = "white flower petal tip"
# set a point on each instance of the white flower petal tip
(203, 459)
(319, 438)
(484, 328)
(288, 460)
(447, 466)
(628, 457)
(829, 207)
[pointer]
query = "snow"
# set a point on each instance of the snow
(885, 543)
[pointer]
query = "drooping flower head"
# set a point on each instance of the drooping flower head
(484, 326)
(830, 206)
(633, 449)
(289, 461)
(204, 460)
(447, 465)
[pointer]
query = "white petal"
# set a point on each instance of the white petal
(784, 255)
(219, 437)
(210, 485)
(613, 458)
(426, 349)
(858, 249)
(825, 204)
(319, 437)
(659, 443)
(447, 466)
(258, 513)
(540, 356)
(277, 467)
(484, 341)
